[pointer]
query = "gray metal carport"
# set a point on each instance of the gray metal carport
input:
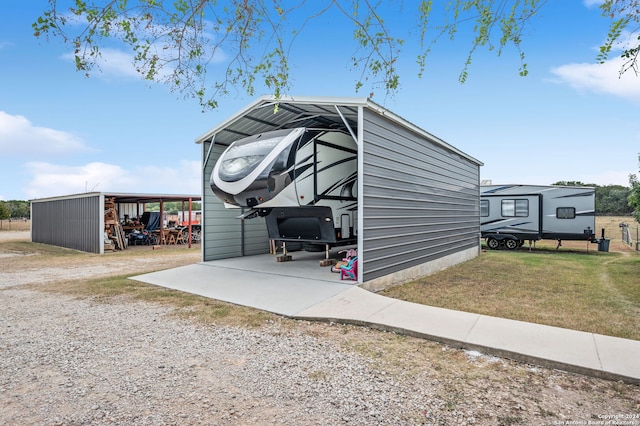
(77, 221)
(418, 202)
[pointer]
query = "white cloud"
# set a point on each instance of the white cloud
(183, 179)
(18, 136)
(626, 40)
(116, 62)
(121, 61)
(601, 78)
(49, 180)
(593, 3)
(112, 62)
(52, 180)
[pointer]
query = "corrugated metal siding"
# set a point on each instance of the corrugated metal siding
(72, 223)
(256, 237)
(223, 232)
(129, 209)
(420, 200)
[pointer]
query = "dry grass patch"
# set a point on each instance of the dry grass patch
(20, 256)
(184, 305)
(612, 231)
(625, 274)
(15, 225)
(23, 247)
(573, 287)
(595, 292)
(24, 256)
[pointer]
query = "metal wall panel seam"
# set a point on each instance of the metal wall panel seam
(362, 259)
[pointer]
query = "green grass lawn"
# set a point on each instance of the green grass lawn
(593, 292)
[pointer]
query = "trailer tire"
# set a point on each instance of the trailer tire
(493, 243)
(511, 244)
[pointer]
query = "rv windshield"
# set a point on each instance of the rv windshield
(243, 157)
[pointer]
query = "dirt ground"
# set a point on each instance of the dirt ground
(30, 269)
(71, 361)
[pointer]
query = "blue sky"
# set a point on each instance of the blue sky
(570, 119)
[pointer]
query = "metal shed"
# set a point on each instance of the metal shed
(78, 221)
(418, 202)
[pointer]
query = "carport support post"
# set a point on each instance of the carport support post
(189, 233)
(161, 221)
(101, 226)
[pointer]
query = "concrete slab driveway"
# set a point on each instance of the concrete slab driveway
(260, 282)
(302, 289)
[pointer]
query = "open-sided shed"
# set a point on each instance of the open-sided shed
(418, 196)
(78, 221)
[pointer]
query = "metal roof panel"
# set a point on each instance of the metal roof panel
(268, 113)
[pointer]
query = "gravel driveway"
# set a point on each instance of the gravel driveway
(70, 361)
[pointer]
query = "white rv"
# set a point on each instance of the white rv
(512, 214)
(303, 181)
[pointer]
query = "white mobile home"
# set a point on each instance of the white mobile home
(512, 214)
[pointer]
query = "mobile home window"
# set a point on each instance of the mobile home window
(566, 212)
(515, 208)
(484, 208)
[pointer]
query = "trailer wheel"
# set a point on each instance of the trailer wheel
(493, 243)
(511, 244)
